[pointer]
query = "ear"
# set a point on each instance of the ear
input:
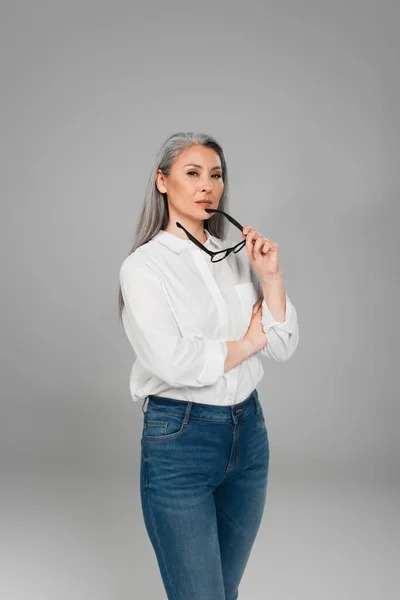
(160, 182)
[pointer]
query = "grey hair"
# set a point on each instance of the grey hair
(155, 213)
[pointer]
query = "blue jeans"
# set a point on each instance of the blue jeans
(203, 486)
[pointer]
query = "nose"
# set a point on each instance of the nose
(206, 186)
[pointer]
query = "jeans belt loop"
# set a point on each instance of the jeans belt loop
(187, 413)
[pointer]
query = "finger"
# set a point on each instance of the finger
(250, 235)
(257, 246)
(251, 238)
(257, 306)
(266, 247)
(246, 229)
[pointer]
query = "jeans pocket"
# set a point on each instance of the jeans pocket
(162, 426)
(260, 418)
(260, 413)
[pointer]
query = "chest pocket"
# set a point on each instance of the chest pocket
(247, 294)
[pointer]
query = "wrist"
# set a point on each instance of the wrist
(250, 346)
(271, 278)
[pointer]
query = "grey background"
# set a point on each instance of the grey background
(304, 98)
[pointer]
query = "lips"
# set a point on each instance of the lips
(203, 202)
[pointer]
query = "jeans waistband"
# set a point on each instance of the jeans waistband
(198, 410)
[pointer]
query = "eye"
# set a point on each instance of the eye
(215, 175)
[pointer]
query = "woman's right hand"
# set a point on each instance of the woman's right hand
(255, 332)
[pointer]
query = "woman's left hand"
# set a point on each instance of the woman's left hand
(263, 253)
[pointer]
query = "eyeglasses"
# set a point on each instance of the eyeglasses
(221, 254)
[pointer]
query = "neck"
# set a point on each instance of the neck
(196, 231)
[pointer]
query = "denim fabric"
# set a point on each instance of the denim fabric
(203, 486)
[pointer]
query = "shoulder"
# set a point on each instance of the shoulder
(138, 260)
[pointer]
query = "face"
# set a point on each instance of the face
(188, 183)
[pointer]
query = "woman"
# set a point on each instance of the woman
(200, 320)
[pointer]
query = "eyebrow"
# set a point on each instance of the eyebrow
(200, 167)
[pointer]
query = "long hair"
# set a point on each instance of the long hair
(155, 213)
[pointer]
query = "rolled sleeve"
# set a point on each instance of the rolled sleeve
(214, 358)
(155, 336)
(288, 325)
(283, 337)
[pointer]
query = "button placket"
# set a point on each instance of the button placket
(217, 297)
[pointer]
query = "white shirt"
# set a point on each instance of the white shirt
(181, 308)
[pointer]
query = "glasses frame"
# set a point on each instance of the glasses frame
(235, 248)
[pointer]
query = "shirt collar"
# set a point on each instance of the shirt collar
(178, 244)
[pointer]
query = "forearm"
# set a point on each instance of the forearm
(238, 351)
(275, 296)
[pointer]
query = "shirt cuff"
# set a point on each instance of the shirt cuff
(215, 353)
(288, 325)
